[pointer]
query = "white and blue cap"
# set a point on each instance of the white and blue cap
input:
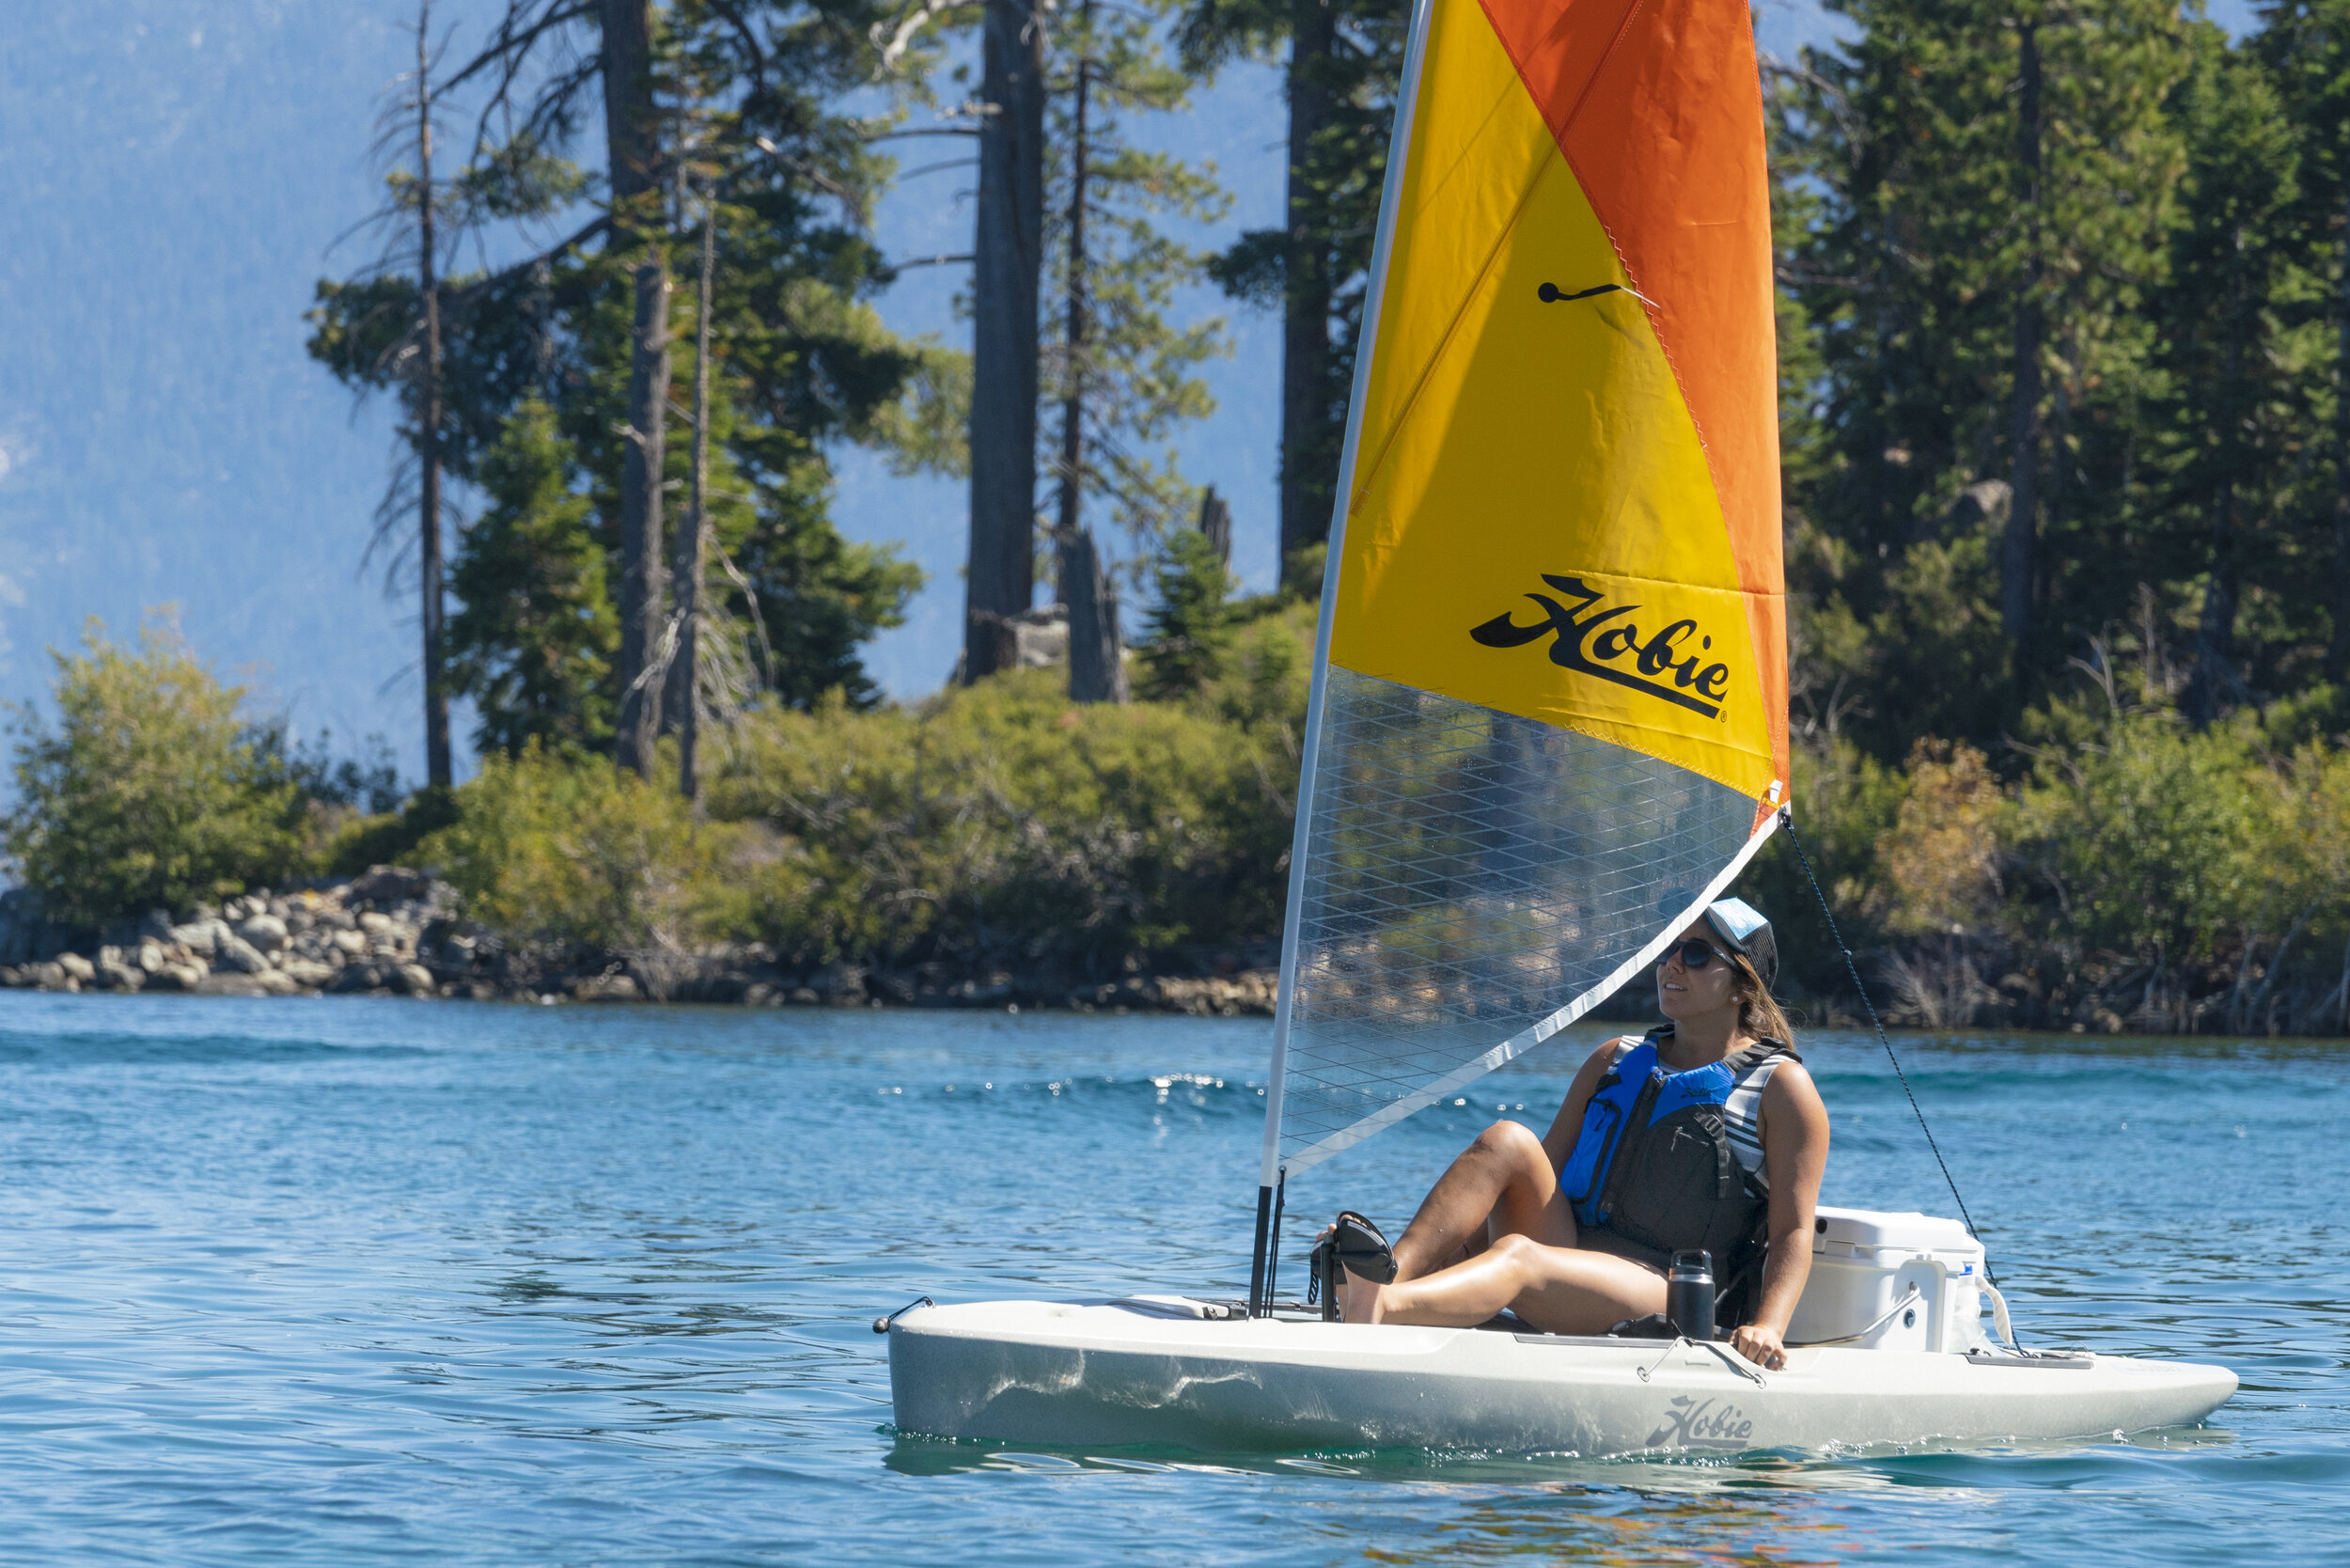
(1745, 932)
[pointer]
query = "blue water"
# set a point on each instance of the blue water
(358, 1280)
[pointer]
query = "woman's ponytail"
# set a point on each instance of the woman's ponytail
(1760, 1016)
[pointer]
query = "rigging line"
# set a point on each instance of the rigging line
(1852, 966)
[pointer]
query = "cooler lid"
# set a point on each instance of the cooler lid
(1871, 1228)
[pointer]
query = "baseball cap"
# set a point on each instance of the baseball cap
(1744, 930)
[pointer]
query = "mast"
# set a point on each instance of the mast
(1269, 1175)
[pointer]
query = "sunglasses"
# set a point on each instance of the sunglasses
(1696, 953)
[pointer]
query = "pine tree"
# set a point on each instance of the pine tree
(1118, 374)
(1995, 185)
(533, 641)
(798, 358)
(1343, 64)
(2305, 45)
(2232, 406)
(394, 343)
(1190, 627)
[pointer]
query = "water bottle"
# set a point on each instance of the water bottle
(1690, 1293)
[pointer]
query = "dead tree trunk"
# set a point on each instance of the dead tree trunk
(693, 537)
(2338, 652)
(2021, 546)
(1096, 671)
(632, 137)
(429, 416)
(1097, 664)
(1216, 521)
(1305, 296)
(1007, 260)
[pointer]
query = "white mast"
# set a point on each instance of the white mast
(1268, 1171)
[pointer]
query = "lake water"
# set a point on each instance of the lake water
(362, 1280)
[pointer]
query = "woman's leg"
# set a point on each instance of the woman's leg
(1562, 1290)
(1501, 1184)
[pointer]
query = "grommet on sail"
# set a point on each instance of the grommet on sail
(1549, 713)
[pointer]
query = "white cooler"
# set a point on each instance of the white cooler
(1891, 1282)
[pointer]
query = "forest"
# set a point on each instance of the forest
(2064, 346)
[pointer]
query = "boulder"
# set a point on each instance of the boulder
(276, 982)
(232, 986)
(150, 956)
(605, 988)
(49, 977)
(235, 952)
(81, 968)
(838, 984)
(170, 976)
(414, 980)
(203, 937)
(389, 885)
(357, 977)
(307, 972)
(264, 931)
(351, 944)
(115, 975)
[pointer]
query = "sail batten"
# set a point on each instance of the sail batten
(1548, 718)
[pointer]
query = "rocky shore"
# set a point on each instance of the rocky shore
(394, 932)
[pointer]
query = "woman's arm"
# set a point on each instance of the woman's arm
(1568, 1125)
(1795, 1152)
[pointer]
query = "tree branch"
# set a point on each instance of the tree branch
(919, 16)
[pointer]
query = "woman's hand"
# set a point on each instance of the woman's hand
(1760, 1346)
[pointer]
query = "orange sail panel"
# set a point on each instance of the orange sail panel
(1565, 501)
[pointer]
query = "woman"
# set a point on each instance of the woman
(1706, 1133)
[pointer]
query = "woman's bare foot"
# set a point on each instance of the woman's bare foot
(1359, 1298)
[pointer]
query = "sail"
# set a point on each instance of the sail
(1549, 716)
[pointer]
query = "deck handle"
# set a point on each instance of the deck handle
(880, 1324)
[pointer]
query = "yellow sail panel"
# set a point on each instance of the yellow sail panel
(1534, 522)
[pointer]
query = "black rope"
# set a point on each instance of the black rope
(1852, 968)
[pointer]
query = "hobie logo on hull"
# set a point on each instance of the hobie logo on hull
(1670, 664)
(1689, 1424)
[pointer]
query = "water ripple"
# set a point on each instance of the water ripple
(360, 1280)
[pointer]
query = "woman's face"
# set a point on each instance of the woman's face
(1684, 995)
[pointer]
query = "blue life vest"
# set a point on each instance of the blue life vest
(1668, 1161)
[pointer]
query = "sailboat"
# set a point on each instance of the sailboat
(1547, 727)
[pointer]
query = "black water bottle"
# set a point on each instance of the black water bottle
(1690, 1293)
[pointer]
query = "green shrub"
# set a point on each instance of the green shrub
(1000, 822)
(148, 793)
(1844, 803)
(352, 843)
(2141, 845)
(554, 850)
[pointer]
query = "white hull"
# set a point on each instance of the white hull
(1101, 1373)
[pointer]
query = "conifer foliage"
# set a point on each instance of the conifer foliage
(2059, 338)
(578, 359)
(1119, 374)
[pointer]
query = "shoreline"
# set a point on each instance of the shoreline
(393, 932)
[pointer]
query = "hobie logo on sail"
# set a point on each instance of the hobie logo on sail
(1671, 663)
